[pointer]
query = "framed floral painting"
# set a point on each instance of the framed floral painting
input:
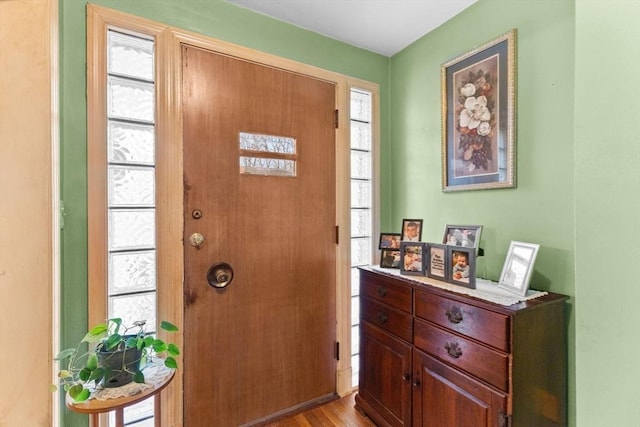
(478, 117)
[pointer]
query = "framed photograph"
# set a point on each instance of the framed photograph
(390, 259)
(462, 266)
(389, 241)
(467, 236)
(412, 258)
(518, 267)
(411, 230)
(437, 261)
(478, 117)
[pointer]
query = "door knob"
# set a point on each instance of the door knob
(220, 275)
(196, 240)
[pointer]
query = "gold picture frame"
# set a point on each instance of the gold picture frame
(479, 117)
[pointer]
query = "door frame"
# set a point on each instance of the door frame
(169, 177)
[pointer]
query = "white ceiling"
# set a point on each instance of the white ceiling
(381, 26)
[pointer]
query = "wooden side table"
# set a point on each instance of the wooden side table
(96, 407)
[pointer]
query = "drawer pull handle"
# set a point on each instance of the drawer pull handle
(382, 317)
(416, 383)
(382, 291)
(453, 349)
(406, 377)
(454, 314)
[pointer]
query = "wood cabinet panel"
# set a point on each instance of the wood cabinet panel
(395, 321)
(387, 291)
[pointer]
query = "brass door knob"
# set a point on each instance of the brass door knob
(196, 240)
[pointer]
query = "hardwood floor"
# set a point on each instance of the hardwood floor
(338, 413)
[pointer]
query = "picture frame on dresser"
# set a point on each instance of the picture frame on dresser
(389, 241)
(518, 267)
(390, 258)
(462, 266)
(411, 230)
(412, 260)
(437, 261)
(463, 235)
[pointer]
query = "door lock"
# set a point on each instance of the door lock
(220, 275)
(196, 240)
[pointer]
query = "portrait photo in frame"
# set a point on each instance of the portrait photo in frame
(412, 260)
(462, 266)
(437, 261)
(467, 236)
(390, 258)
(411, 230)
(478, 117)
(389, 241)
(518, 267)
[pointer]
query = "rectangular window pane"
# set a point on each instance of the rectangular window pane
(360, 164)
(131, 143)
(129, 99)
(267, 143)
(131, 56)
(131, 308)
(264, 166)
(132, 272)
(361, 136)
(131, 229)
(360, 194)
(131, 186)
(360, 106)
(361, 251)
(360, 222)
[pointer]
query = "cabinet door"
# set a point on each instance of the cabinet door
(385, 375)
(447, 397)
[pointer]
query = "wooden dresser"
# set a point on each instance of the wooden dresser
(434, 358)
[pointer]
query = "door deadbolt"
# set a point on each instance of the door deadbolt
(220, 275)
(196, 240)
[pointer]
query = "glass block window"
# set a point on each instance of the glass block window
(131, 190)
(361, 207)
(267, 155)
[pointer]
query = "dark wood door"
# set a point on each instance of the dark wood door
(446, 397)
(264, 343)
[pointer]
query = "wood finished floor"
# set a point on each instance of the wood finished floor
(338, 413)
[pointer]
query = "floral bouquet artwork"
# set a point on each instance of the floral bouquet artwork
(475, 129)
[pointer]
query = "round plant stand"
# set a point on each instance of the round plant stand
(96, 407)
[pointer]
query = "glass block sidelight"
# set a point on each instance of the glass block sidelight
(361, 106)
(131, 143)
(132, 272)
(360, 194)
(130, 56)
(132, 229)
(131, 308)
(360, 164)
(131, 186)
(130, 99)
(360, 136)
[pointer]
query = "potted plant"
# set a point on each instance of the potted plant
(115, 357)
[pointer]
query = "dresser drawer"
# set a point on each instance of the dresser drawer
(483, 325)
(395, 321)
(482, 362)
(387, 291)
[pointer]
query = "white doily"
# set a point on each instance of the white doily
(154, 374)
(485, 289)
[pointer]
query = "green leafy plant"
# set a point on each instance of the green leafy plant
(80, 369)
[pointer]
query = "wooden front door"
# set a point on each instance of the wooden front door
(264, 343)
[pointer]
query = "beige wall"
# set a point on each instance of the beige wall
(28, 55)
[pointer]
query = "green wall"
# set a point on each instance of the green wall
(578, 157)
(214, 18)
(607, 196)
(541, 208)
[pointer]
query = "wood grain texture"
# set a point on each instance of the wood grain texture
(338, 413)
